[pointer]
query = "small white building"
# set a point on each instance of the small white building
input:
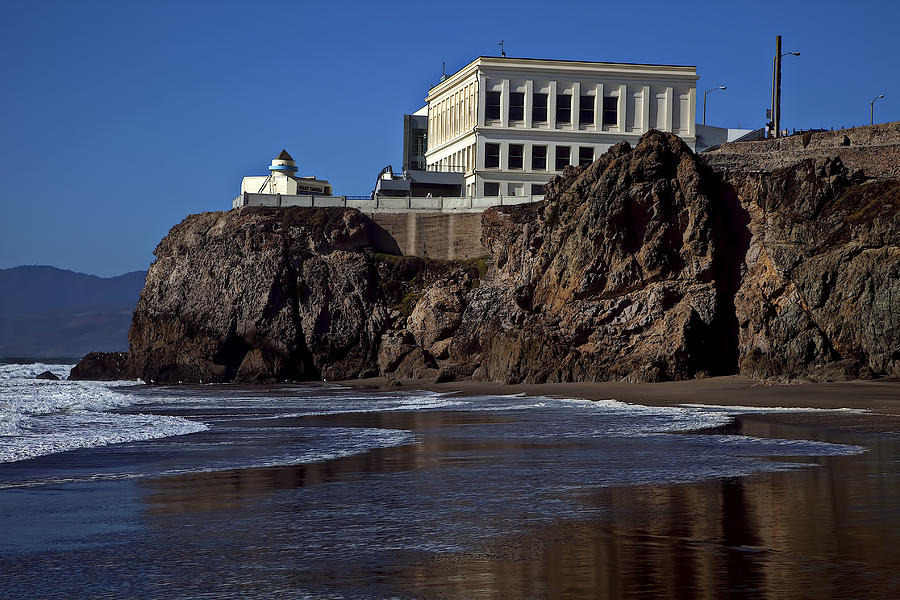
(282, 180)
(510, 124)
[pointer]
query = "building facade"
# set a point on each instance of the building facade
(510, 124)
(282, 179)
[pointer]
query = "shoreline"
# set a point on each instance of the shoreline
(877, 400)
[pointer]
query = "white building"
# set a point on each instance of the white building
(510, 124)
(282, 180)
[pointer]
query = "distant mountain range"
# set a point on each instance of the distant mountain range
(50, 312)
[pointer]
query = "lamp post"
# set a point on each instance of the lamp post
(872, 109)
(721, 87)
(776, 85)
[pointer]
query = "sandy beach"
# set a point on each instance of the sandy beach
(880, 399)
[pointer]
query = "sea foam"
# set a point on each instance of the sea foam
(39, 417)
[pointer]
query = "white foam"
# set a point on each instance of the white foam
(39, 417)
(774, 409)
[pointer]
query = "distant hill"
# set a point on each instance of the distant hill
(50, 312)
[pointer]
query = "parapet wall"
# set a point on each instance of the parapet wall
(874, 149)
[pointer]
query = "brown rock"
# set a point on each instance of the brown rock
(102, 366)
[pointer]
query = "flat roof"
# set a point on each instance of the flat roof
(494, 60)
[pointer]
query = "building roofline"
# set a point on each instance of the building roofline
(586, 62)
(515, 61)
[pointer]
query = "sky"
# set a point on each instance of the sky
(120, 118)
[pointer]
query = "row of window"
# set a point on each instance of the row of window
(516, 111)
(516, 153)
(492, 188)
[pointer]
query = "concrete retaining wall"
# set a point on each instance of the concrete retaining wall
(442, 228)
(443, 236)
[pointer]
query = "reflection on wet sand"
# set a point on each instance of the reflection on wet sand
(829, 532)
(230, 488)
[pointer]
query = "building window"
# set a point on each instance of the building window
(586, 110)
(585, 156)
(610, 110)
(539, 110)
(539, 158)
(513, 189)
(537, 189)
(491, 188)
(563, 108)
(514, 160)
(492, 156)
(492, 110)
(562, 157)
(517, 106)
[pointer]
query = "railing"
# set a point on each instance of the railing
(386, 204)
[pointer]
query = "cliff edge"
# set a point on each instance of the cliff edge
(647, 265)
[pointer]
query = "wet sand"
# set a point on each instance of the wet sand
(881, 398)
(824, 532)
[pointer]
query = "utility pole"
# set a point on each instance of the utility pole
(776, 85)
(776, 96)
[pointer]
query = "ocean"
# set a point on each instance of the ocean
(119, 490)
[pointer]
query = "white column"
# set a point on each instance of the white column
(551, 106)
(504, 104)
(480, 96)
(623, 107)
(576, 105)
(692, 102)
(645, 109)
(529, 101)
(598, 108)
(669, 111)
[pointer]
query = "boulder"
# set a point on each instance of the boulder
(102, 366)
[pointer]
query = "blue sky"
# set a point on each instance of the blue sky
(121, 118)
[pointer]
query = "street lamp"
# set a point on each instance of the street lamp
(776, 85)
(721, 87)
(872, 109)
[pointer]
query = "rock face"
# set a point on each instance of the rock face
(820, 297)
(647, 265)
(47, 375)
(623, 273)
(266, 294)
(102, 366)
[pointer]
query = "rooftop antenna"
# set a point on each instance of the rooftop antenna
(443, 67)
(502, 52)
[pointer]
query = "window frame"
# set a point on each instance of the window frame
(610, 106)
(535, 155)
(567, 109)
(519, 108)
(488, 146)
(492, 183)
(520, 157)
(490, 109)
(591, 108)
(582, 162)
(556, 157)
(535, 107)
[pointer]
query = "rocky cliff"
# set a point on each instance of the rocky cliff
(266, 294)
(644, 266)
